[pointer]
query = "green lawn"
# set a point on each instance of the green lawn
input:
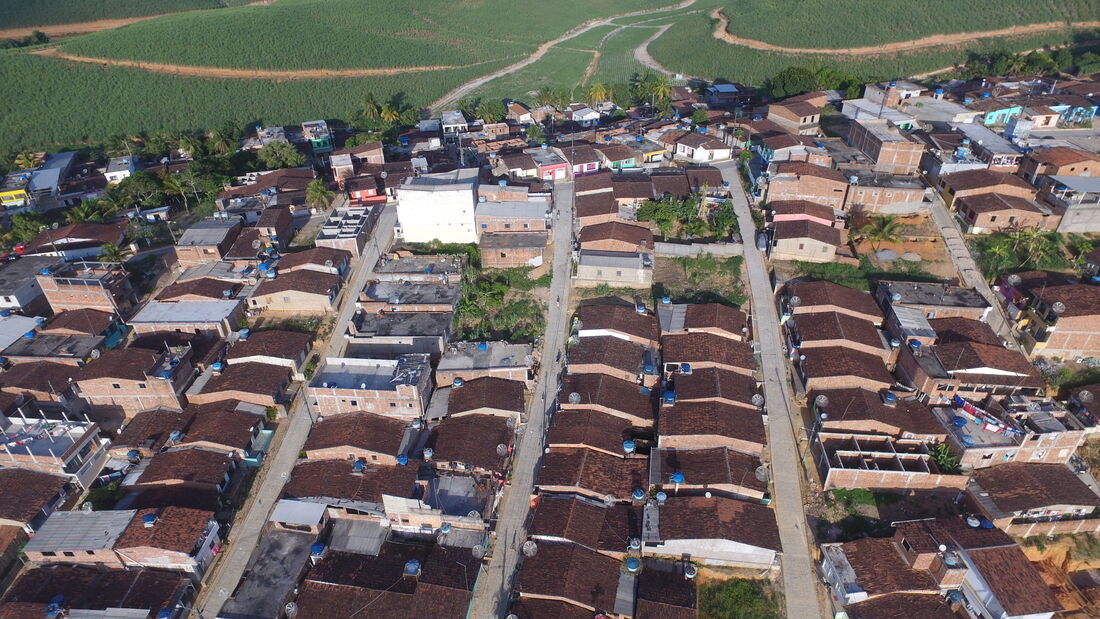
(617, 62)
(20, 13)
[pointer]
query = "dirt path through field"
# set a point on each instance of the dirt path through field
(721, 32)
(641, 53)
(223, 73)
(60, 30)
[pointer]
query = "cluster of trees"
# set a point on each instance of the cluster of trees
(1038, 62)
(381, 120)
(652, 89)
(494, 307)
(691, 218)
(798, 80)
(34, 38)
(1001, 253)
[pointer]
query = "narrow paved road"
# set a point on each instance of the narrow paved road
(494, 583)
(968, 269)
(800, 582)
(279, 462)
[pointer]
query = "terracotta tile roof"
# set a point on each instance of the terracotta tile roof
(539, 608)
(823, 326)
(716, 316)
(675, 185)
(698, 176)
(177, 529)
(593, 182)
(903, 606)
(26, 492)
(192, 465)
(702, 140)
(87, 321)
(806, 229)
(716, 517)
(92, 588)
(965, 357)
(959, 329)
(572, 573)
(366, 148)
(426, 601)
(707, 383)
(664, 592)
(178, 496)
(880, 568)
(275, 217)
(1020, 486)
(596, 204)
(802, 207)
(779, 141)
(594, 471)
(586, 522)
(1062, 155)
(42, 376)
(486, 392)
(272, 343)
(122, 363)
(671, 136)
(708, 467)
(713, 418)
(221, 424)
(361, 430)
(632, 186)
(827, 293)
(259, 378)
(617, 231)
(150, 429)
(1014, 581)
(706, 347)
(580, 153)
(979, 179)
(848, 408)
(1079, 299)
(612, 393)
(336, 479)
(443, 566)
(207, 287)
(610, 315)
(798, 107)
(99, 234)
(473, 440)
(610, 351)
(316, 255)
(841, 361)
(996, 202)
(290, 179)
(312, 282)
(590, 428)
(616, 152)
(801, 168)
(205, 348)
(927, 535)
(245, 247)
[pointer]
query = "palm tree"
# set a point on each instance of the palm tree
(371, 108)
(881, 229)
(223, 140)
(111, 253)
(597, 93)
(661, 88)
(173, 185)
(546, 96)
(94, 211)
(487, 112)
(26, 160)
(191, 144)
(389, 113)
(318, 195)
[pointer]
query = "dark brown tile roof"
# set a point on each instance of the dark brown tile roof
(1020, 486)
(312, 282)
(91, 588)
(1079, 299)
(207, 287)
(827, 293)
(903, 606)
(927, 535)
(221, 424)
(316, 255)
(205, 348)
(539, 608)
(632, 186)
(193, 465)
(616, 152)
(586, 522)
(716, 316)
(698, 176)
(337, 479)
(610, 351)
(580, 153)
(708, 467)
(473, 440)
(290, 179)
(675, 185)
(825, 326)
(964, 357)
(88, 321)
(593, 182)
(612, 393)
(591, 428)
(245, 246)
(801, 168)
(706, 347)
(696, 140)
(848, 407)
(707, 418)
(122, 363)
(1062, 155)
(1014, 581)
(251, 377)
(605, 314)
(275, 217)
(272, 343)
(594, 471)
(664, 592)
(596, 204)
(639, 236)
(841, 361)
(177, 529)
(178, 496)
(959, 329)
(42, 376)
(26, 492)
(426, 601)
(571, 572)
(100, 233)
(880, 568)
(442, 566)
(978, 179)
(806, 229)
(150, 429)
(995, 202)
(362, 430)
(486, 392)
(708, 383)
(802, 207)
(798, 107)
(719, 518)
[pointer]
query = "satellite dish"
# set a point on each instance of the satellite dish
(762, 473)
(795, 301)
(95, 353)
(757, 400)
(574, 398)
(474, 514)
(1058, 307)
(530, 548)
(87, 506)
(511, 423)
(690, 571)
(502, 449)
(1084, 396)
(54, 225)
(256, 244)
(383, 174)
(328, 263)
(1032, 405)
(1013, 279)
(478, 552)
(609, 500)
(291, 609)
(821, 401)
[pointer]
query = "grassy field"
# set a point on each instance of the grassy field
(854, 23)
(559, 68)
(588, 40)
(617, 62)
(19, 13)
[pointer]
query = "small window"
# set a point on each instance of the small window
(905, 544)
(355, 403)
(506, 226)
(393, 404)
(503, 255)
(69, 553)
(992, 218)
(526, 225)
(801, 246)
(618, 273)
(484, 226)
(141, 385)
(1012, 219)
(49, 554)
(116, 386)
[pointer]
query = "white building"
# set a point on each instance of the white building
(439, 207)
(119, 168)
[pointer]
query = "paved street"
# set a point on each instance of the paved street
(279, 462)
(495, 582)
(968, 269)
(800, 581)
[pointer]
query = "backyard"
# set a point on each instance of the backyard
(702, 279)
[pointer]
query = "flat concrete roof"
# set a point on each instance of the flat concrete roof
(374, 374)
(80, 530)
(209, 231)
(186, 311)
(14, 274)
(470, 355)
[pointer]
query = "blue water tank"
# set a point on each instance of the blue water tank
(502, 183)
(412, 567)
(149, 519)
(629, 446)
(685, 368)
(166, 374)
(666, 299)
(44, 272)
(677, 478)
(263, 267)
(889, 398)
(939, 91)
(987, 524)
(402, 459)
(955, 595)
(217, 366)
(633, 564)
(457, 382)
(317, 548)
(5, 313)
(175, 435)
(644, 390)
(639, 139)
(638, 494)
(669, 397)
(661, 497)
(359, 466)
(133, 454)
(40, 320)
(986, 95)
(404, 140)
(958, 421)
(893, 83)
(243, 333)
(967, 440)
(483, 346)
(914, 345)
(649, 368)
(164, 613)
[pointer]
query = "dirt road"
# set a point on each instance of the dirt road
(641, 53)
(721, 32)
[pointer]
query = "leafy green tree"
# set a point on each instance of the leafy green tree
(280, 155)
(699, 117)
(223, 140)
(535, 133)
(371, 109)
(491, 111)
(1063, 59)
(175, 186)
(27, 160)
(791, 81)
(318, 195)
(110, 252)
(597, 93)
(191, 144)
(947, 463)
(724, 220)
(141, 188)
(25, 227)
(389, 113)
(94, 211)
(881, 229)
